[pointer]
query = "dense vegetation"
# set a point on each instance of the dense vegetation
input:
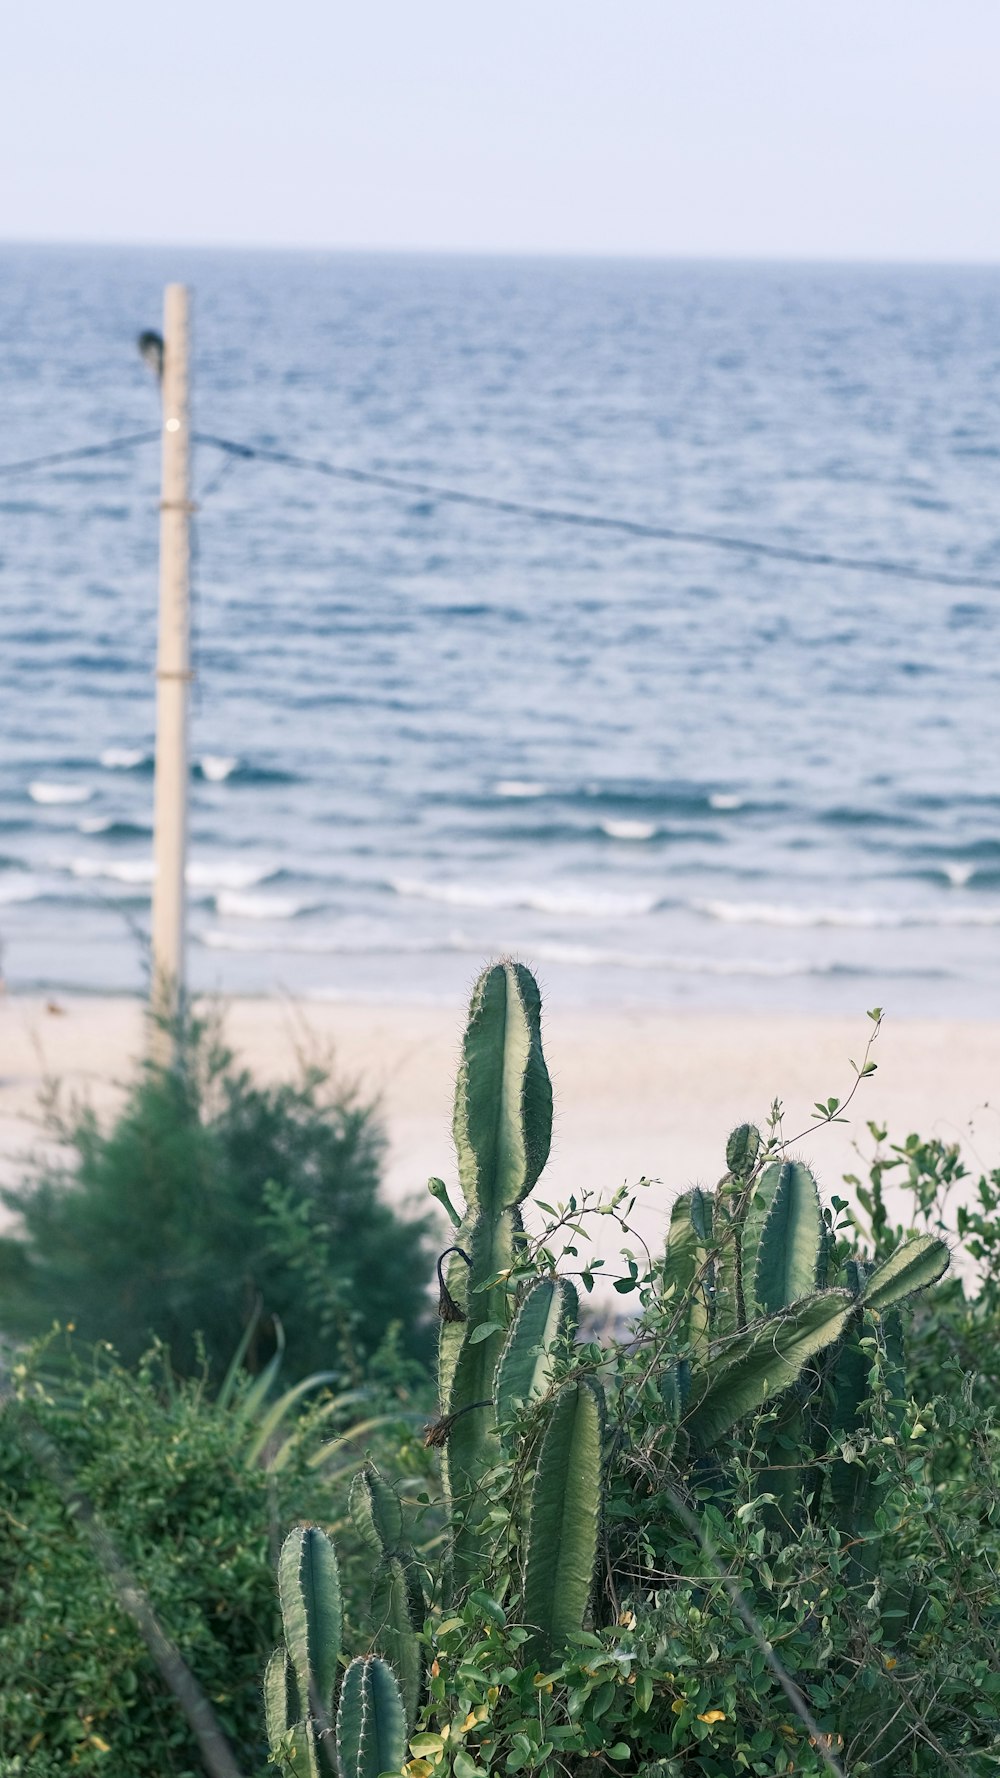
(755, 1531)
(210, 1195)
(719, 1544)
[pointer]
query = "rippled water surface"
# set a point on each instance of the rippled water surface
(426, 732)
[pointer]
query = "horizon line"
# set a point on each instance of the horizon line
(588, 254)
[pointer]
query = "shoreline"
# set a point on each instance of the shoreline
(637, 1092)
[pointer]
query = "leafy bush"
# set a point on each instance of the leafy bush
(211, 1193)
(190, 1492)
(718, 1544)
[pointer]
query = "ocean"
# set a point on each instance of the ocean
(424, 734)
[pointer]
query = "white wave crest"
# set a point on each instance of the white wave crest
(584, 903)
(723, 799)
(41, 791)
(221, 874)
(95, 824)
(227, 873)
(122, 759)
(136, 872)
(763, 913)
(958, 875)
(629, 830)
(518, 787)
(235, 904)
(217, 767)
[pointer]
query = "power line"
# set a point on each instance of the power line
(94, 450)
(593, 521)
(602, 522)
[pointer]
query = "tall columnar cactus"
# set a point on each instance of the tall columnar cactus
(371, 1724)
(301, 1676)
(503, 1130)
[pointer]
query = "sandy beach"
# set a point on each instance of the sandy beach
(636, 1092)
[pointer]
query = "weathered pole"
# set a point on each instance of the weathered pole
(173, 679)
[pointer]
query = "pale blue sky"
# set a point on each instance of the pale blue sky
(804, 128)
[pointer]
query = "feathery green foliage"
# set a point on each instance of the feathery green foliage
(209, 1193)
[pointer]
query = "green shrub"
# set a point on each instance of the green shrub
(717, 1544)
(208, 1194)
(195, 1511)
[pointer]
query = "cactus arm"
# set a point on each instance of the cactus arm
(277, 1704)
(563, 1519)
(395, 1637)
(790, 1242)
(376, 1512)
(371, 1722)
(688, 1241)
(760, 1363)
(312, 1615)
(742, 1150)
(913, 1266)
(503, 1096)
(524, 1369)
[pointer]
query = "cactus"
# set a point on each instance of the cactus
(742, 1150)
(915, 1265)
(524, 1368)
(761, 1362)
(562, 1520)
(301, 1674)
(371, 1724)
(743, 1314)
(502, 1129)
(312, 1616)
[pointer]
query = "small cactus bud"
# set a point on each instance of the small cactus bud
(742, 1150)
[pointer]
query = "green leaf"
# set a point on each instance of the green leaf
(484, 1331)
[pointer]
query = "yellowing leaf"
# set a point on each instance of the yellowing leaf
(418, 1768)
(677, 1706)
(712, 1716)
(99, 1742)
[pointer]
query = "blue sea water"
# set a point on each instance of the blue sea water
(427, 733)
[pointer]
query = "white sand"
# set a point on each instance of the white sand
(636, 1092)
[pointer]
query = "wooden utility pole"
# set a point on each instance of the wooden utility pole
(173, 679)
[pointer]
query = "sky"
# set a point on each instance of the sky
(858, 129)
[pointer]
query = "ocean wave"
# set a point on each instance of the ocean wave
(763, 913)
(518, 787)
(124, 759)
(221, 874)
(605, 904)
(238, 905)
(215, 768)
(135, 872)
(41, 791)
(629, 830)
(110, 827)
(723, 800)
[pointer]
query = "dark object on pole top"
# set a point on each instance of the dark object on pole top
(151, 352)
